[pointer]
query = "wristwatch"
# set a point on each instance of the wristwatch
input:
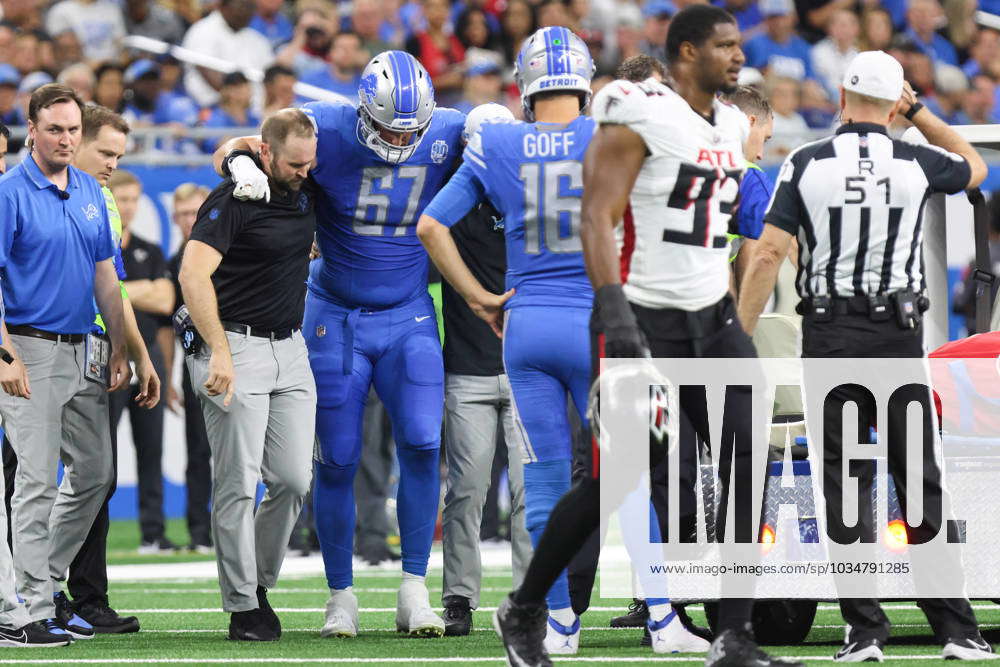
(6, 356)
(912, 111)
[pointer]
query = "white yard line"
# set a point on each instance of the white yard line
(427, 660)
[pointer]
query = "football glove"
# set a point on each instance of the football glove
(622, 337)
(250, 182)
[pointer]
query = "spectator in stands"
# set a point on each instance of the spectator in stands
(279, 88)
(790, 128)
(151, 294)
(518, 21)
(984, 54)
(66, 50)
(225, 34)
(25, 15)
(439, 51)
(98, 24)
(309, 49)
(923, 17)
(368, 21)
(815, 107)
(628, 33)
(26, 57)
(272, 23)
(832, 55)
(233, 109)
(29, 84)
(656, 21)
(151, 19)
(553, 13)
(81, 79)
(188, 198)
(978, 104)
(343, 74)
(9, 81)
(110, 89)
(473, 30)
(747, 14)
(876, 30)
(482, 84)
(148, 104)
(7, 35)
(814, 16)
(779, 43)
(950, 87)
(918, 67)
(171, 73)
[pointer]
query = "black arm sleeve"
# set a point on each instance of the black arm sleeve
(945, 172)
(220, 219)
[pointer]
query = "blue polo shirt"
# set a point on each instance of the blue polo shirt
(49, 247)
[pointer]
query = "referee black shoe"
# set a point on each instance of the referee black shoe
(866, 650)
(638, 614)
(106, 620)
(39, 634)
(522, 631)
(250, 626)
(736, 648)
(267, 612)
(69, 620)
(457, 616)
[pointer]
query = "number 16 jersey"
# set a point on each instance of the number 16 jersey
(675, 252)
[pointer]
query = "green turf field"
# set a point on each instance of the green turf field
(182, 623)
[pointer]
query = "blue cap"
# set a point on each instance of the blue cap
(33, 81)
(139, 69)
(9, 76)
(775, 7)
(658, 8)
(484, 66)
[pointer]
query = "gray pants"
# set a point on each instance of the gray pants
(65, 419)
(474, 406)
(267, 431)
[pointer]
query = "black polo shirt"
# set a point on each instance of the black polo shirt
(470, 346)
(144, 261)
(261, 281)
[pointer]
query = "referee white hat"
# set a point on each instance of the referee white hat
(875, 74)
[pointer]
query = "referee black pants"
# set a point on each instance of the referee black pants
(711, 333)
(856, 336)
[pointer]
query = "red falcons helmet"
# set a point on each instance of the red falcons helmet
(622, 381)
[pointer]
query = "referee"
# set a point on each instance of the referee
(854, 201)
(244, 280)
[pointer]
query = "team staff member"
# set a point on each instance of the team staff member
(477, 399)
(851, 198)
(55, 405)
(244, 281)
(188, 198)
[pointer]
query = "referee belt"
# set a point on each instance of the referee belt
(856, 305)
(25, 330)
(258, 332)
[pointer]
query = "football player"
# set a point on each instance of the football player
(369, 318)
(678, 159)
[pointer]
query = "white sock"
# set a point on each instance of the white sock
(564, 616)
(658, 612)
(341, 591)
(407, 577)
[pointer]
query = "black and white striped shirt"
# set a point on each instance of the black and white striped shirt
(855, 202)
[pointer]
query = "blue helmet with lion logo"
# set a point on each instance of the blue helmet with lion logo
(395, 94)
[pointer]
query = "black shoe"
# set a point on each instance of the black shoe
(250, 626)
(522, 631)
(36, 634)
(106, 620)
(67, 618)
(457, 616)
(267, 612)
(736, 648)
(638, 614)
(866, 650)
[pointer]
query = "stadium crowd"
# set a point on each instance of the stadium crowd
(798, 50)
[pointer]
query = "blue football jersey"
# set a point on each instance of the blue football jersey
(533, 175)
(368, 209)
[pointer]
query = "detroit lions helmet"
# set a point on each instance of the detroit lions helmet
(553, 59)
(395, 94)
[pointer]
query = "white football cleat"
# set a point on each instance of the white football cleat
(413, 611)
(968, 649)
(341, 615)
(562, 639)
(670, 636)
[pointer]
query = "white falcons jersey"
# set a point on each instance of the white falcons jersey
(675, 250)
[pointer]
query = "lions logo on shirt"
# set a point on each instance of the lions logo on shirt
(90, 211)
